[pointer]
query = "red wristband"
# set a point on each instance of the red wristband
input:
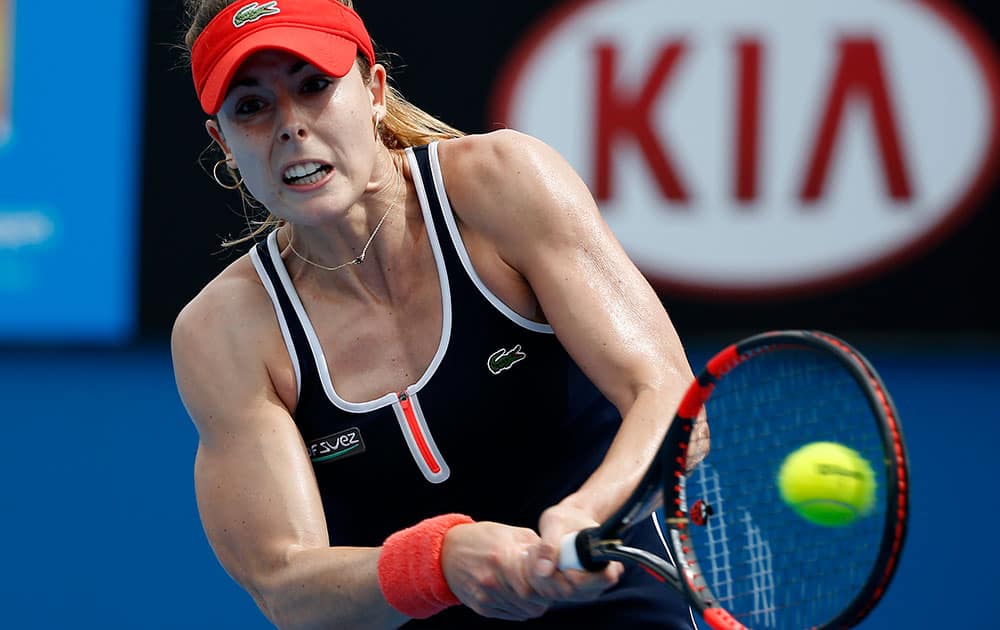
(409, 567)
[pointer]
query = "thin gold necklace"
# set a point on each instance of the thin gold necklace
(360, 258)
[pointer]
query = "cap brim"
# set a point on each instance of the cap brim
(330, 53)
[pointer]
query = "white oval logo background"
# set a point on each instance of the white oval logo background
(939, 76)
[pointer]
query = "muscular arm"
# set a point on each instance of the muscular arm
(257, 495)
(544, 224)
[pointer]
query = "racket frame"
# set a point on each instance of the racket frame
(674, 456)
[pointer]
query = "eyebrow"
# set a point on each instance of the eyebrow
(252, 82)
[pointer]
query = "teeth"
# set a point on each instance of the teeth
(314, 171)
(311, 179)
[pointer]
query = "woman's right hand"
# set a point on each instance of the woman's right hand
(483, 564)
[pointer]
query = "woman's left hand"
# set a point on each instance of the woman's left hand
(541, 561)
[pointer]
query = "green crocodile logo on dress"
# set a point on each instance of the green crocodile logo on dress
(503, 359)
(255, 11)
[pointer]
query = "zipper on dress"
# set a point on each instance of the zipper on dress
(413, 425)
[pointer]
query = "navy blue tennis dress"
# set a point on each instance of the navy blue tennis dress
(502, 425)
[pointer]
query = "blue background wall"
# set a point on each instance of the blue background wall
(69, 172)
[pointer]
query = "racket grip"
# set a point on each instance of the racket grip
(575, 551)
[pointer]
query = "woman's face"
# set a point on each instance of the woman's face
(303, 141)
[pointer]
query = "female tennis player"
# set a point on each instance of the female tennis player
(434, 363)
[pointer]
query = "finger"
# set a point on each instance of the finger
(517, 591)
(541, 574)
(497, 612)
(520, 584)
(486, 603)
(504, 614)
(561, 586)
(612, 572)
(502, 608)
(501, 597)
(589, 585)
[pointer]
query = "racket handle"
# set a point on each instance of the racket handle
(575, 551)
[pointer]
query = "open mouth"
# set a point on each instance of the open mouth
(306, 173)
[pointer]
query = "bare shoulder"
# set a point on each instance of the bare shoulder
(221, 344)
(224, 308)
(485, 149)
(494, 159)
(509, 185)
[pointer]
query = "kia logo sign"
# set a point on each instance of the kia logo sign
(739, 148)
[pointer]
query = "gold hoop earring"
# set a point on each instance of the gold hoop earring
(375, 125)
(215, 176)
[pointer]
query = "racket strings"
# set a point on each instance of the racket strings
(767, 565)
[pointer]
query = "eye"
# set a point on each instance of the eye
(316, 84)
(248, 106)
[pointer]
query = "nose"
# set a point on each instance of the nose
(293, 131)
(291, 124)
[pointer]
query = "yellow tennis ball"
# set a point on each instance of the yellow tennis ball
(827, 484)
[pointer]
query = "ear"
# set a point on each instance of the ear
(377, 90)
(215, 132)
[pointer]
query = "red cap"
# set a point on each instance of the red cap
(326, 33)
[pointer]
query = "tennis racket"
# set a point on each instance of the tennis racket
(748, 559)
